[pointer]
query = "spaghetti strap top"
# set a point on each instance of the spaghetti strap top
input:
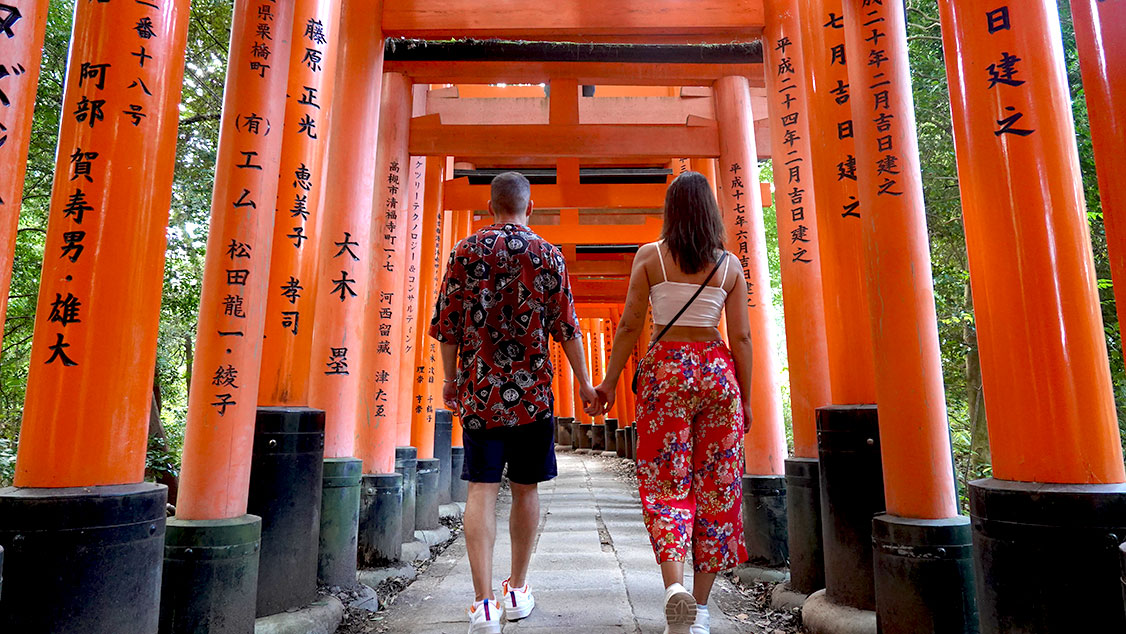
(667, 298)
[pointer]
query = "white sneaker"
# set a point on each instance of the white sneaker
(702, 624)
(680, 610)
(518, 602)
(484, 617)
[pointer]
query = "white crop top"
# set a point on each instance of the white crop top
(667, 298)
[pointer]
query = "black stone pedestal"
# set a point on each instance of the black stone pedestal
(426, 500)
(631, 442)
(803, 525)
(924, 575)
(285, 491)
(210, 580)
(82, 559)
(620, 440)
(406, 465)
(764, 520)
(612, 434)
(585, 435)
(1037, 547)
(563, 431)
(381, 519)
(576, 432)
(443, 435)
(459, 489)
(340, 521)
(598, 438)
(852, 493)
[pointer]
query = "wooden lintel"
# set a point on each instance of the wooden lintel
(586, 73)
(459, 194)
(429, 138)
(592, 110)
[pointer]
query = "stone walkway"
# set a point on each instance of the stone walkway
(592, 570)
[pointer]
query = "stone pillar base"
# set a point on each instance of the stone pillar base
(340, 521)
(380, 540)
(819, 615)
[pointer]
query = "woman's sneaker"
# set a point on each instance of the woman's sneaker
(484, 617)
(518, 602)
(702, 624)
(680, 610)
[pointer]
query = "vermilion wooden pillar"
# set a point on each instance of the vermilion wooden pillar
(741, 203)
(294, 283)
(26, 22)
(339, 329)
(382, 370)
(421, 435)
(565, 406)
(1100, 34)
(839, 208)
(1048, 392)
(81, 460)
(795, 203)
(914, 437)
(426, 372)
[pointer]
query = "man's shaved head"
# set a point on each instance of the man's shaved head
(510, 193)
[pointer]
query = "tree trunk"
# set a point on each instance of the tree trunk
(975, 398)
(189, 361)
(158, 437)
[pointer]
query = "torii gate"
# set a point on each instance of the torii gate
(851, 218)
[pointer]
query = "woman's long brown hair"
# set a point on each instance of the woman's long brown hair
(693, 227)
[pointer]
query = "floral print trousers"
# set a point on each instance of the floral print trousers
(689, 454)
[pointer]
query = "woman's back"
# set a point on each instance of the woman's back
(670, 288)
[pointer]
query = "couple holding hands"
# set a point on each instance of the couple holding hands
(505, 291)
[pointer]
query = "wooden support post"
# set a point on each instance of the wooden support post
(420, 435)
(795, 203)
(848, 330)
(1054, 436)
(294, 280)
(918, 474)
(1100, 33)
(382, 371)
(86, 412)
(426, 374)
(339, 331)
(741, 204)
(26, 22)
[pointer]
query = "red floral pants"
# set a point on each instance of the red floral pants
(689, 454)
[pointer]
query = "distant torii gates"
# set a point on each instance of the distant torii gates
(312, 367)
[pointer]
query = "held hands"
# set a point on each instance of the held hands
(589, 398)
(606, 395)
(747, 417)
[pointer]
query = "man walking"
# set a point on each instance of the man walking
(505, 292)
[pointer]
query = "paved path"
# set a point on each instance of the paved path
(592, 571)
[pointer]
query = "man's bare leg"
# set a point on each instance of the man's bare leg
(523, 522)
(480, 535)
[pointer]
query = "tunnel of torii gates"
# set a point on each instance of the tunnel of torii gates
(313, 438)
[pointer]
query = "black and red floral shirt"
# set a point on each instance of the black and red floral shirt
(505, 291)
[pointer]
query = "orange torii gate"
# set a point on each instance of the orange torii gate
(846, 129)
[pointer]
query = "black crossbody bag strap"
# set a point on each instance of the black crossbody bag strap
(722, 259)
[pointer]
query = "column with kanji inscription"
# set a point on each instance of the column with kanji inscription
(286, 491)
(1058, 481)
(80, 467)
(799, 245)
(218, 441)
(339, 329)
(22, 26)
(921, 536)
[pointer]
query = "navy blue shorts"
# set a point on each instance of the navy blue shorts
(528, 450)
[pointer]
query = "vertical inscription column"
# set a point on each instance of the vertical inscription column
(848, 330)
(1057, 457)
(383, 377)
(218, 442)
(422, 436)
(22, 25)
(741, 203)
(294, 284)
(81, 461)
(921, 536)
(423, 404)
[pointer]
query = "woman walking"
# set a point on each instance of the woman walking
(693, 404)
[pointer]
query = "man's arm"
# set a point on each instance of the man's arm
(573, 348)
(449, 371)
